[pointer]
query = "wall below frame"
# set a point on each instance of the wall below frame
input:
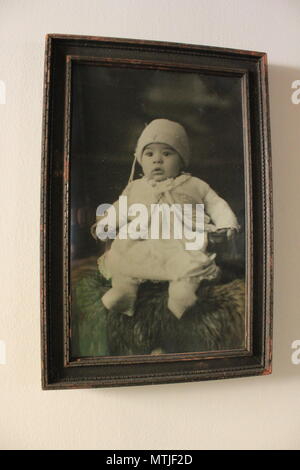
(249, 413)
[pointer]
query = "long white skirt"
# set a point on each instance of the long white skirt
(157, 260)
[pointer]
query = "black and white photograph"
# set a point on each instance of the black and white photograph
(171, 138)
(156, 222)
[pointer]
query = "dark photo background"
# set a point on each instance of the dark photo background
(110, 108)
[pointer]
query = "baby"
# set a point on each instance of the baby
(163, 152)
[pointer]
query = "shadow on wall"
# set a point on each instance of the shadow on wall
(285, 125)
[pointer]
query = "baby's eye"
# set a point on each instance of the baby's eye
(148, 153)
(166, 153)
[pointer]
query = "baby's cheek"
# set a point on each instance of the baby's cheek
(174, 172)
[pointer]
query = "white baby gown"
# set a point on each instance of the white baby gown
(167, 259)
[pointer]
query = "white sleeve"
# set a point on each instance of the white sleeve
(219, 210)
(107, 216)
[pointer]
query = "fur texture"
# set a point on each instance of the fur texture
(215, 322)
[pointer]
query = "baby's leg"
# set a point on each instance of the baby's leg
(182, 295)
(121, 297)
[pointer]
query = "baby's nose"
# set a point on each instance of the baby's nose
(157, 158)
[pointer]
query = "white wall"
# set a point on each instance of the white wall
(262, 412)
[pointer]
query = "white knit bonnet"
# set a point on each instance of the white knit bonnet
(165, 132)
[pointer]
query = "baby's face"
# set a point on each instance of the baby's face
(160, 161)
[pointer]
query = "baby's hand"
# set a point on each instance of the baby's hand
(221, 234)
(230, 232)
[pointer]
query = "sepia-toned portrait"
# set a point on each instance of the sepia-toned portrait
(168, 137)
(156, 226)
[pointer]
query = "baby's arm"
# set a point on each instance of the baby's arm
(220, 212)
(101, 215)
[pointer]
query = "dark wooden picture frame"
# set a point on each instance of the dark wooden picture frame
(61, 366)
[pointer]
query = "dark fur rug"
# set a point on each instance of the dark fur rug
(215, 322)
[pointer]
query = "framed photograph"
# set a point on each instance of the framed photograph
(156, 213)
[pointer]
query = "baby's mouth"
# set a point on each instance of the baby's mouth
(157, 171)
